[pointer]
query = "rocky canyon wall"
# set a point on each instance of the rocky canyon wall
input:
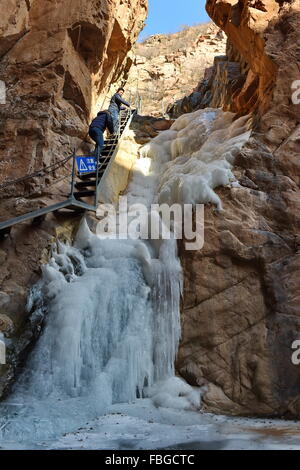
(241, 310)
(167, 67)
(242, 79)
(58, 58)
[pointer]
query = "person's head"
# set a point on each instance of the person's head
(120, 91)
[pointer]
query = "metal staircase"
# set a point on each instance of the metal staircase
(85, 187)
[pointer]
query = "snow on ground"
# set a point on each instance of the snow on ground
(141, 425)
(101, 344)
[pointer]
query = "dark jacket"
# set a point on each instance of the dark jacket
(117, 101)
(103, 121)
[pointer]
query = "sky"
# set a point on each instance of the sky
(168, 16)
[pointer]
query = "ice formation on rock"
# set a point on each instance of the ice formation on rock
(113, 306)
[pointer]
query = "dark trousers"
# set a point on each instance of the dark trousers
(97, 135)
(115, 117)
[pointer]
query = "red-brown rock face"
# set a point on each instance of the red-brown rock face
(246, 23)
(241, 309)
(56, 59)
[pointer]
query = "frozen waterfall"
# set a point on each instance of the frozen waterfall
(112, 325)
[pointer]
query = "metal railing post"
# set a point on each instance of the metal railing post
(109, 159)
(73, 174)
(97, 177)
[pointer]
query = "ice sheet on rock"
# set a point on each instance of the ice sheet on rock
(112, 327)
(100, 343)
(197, 155)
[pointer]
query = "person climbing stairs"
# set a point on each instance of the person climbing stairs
(98, 126)
(86, 180)
(107, 149)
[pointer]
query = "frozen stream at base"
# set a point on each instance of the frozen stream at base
(141, 425)
(112, 326)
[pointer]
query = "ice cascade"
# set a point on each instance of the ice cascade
(112, 323)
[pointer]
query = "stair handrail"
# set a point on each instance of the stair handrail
(42, 171)
(114, 150)
(71, 201)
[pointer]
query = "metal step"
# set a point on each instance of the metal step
(85, 184)
(87, 176)
(34, 214)
(108, 146)
(101, 159)
(4, 232)
(77, 205)
(69, 210)
(74, 208)
(73, 202)
(105, 152)
(87, 193)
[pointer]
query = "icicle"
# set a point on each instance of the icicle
(113, 306)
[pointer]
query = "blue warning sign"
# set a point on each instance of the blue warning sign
(86, 164)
